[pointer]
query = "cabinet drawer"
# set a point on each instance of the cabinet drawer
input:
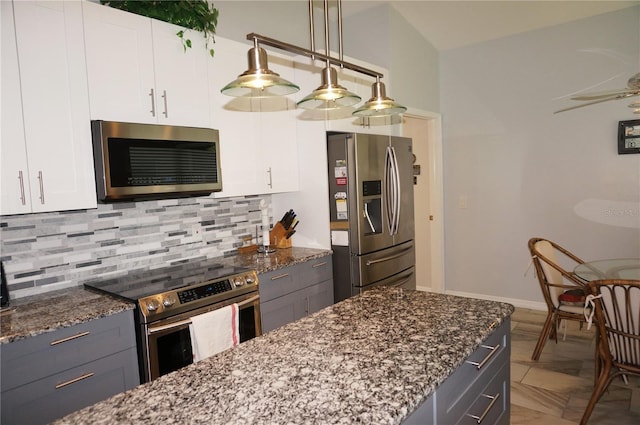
(459, 391)
(491, 406)
(316, 271)
(284, 281)
(34, 358)
(276, 283)
(52, 397)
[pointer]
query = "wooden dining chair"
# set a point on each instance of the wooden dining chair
(617, 317)
(563, 291)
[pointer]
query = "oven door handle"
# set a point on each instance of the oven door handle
(161, 328)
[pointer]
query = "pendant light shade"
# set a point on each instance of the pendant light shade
(330, 95)
(259, 80)
(379, 105)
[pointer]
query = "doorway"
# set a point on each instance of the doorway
(424, 130)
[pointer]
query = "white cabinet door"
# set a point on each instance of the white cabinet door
(14, 191)
(236, 121)
(119, 52)
(257, 136)
(180, 76)
(138, 70)
(54, 105)
(278, 135)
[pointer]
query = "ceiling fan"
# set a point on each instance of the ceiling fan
(633, 89)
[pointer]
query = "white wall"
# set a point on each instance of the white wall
(524, 171)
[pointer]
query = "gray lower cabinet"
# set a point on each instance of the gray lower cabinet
(478, 391)
(52, 374)
(291, 293)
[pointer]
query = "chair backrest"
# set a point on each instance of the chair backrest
(618, 317)
(551, 275)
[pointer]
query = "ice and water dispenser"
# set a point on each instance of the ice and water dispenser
(372, 206)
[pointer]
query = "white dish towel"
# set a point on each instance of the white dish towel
(214, 332)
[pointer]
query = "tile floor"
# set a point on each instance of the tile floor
(555, 390)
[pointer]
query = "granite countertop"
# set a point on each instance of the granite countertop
(372, 358)
(282, 257)
(31, 316)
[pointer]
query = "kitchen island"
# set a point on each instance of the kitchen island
(373, 358)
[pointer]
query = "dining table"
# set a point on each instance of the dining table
(613, 268)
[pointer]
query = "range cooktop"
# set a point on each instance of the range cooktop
(137, 285)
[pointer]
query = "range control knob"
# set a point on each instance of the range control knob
(152, 305)
(249, 280)
(238, 281)
(168, 302)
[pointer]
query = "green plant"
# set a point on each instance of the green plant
(198, 15)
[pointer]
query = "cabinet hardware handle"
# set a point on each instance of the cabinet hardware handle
(280, 276)
(166, 110)
(486, 359)
(23, 200)
(153, 103)
(41, 182)
(74, 380)
(69, 338)
(391, 257)
(319, 264)
(493, 399)
(270, 184)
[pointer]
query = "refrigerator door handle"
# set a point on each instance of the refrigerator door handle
(392, 193)
(389, 185)
(390, 257)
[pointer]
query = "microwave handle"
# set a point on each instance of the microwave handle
(188, 321)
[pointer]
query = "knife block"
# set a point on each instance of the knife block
(278, 237)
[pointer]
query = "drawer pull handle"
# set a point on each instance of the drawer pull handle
(280, 276)
(480, 418)
(69, 338)
(74, 380)
(319, 264)
(493, 351)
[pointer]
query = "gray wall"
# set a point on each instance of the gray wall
(526, 172)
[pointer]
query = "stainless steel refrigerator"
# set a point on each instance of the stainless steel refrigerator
(371, 209)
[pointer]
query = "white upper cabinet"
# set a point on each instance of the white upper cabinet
(14, 191)
(48, 164)
(139, 71)
(258, 139)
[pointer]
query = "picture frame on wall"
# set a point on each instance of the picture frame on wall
(629, 136)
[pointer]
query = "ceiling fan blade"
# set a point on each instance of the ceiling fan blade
(588, 103)
(595, 96)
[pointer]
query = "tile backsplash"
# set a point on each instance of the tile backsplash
(48, 251)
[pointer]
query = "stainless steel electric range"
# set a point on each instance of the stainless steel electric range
(167, 298)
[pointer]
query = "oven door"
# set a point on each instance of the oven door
(167, 343)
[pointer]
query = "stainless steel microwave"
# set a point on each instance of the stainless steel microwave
(149, 161)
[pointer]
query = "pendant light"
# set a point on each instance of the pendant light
(259, 80)
(379, 105)
(330, 94)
